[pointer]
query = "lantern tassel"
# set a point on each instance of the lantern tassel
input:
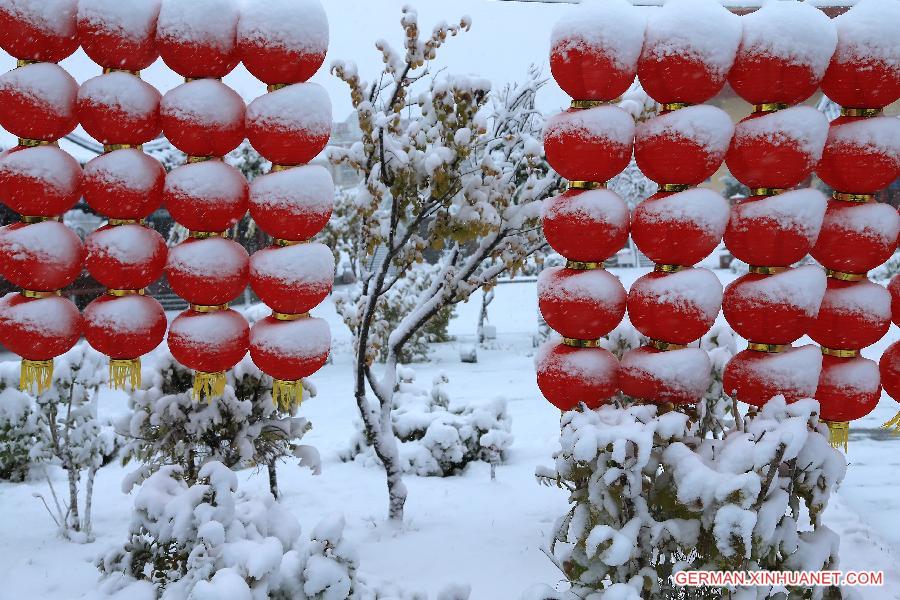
(839, 434)
(122, 371)
(893, 423)
(287, 395)
(36, 373)
(208, 385)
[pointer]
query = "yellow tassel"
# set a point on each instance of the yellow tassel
(287, 394)
(36, 373)
(122, 371)
(839, 434)
(893, 423)
(208, 385)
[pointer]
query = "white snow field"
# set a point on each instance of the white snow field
(465, 529)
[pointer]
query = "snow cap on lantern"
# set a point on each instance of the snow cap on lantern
(856, 237)
(124, 184)
(292, 279)
(595, 48)
(679, 376)
(119, 34)
(586, 225)
(41, 257)
(689, 48)
(206, 196)
(288, 351)
(568, 376)
(862, 155)
(677, 308)
(195, 44)
(589, 145)
(125, 257)
(681, 228)
(777, 149)
(755, 377)
(38, 102)
(38, 330)
(849, 389)
(774, 309)
(683, 146)
(283, 42)
(853, 315)
(775, 230)
(42, 30)
(119, 108)
(865, 69)
(43, 181)
(208, 272)
(583, 305)
(293, 204)
(203, 118)
(785, 49)
(290, 126)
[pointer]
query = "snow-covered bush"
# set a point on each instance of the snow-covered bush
(651, 495)
(438, 437)
(18, 433)
(209, 541)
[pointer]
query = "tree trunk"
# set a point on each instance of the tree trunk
(273, 478)
(74, 522)
(88, 502)
(487, 296)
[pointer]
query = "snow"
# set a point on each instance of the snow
(309, 264)
(707, 126)
(212, 258)
(868, 33)
(51, 316)
(128, 19)
(592, 365)
(705, 209)
(44, 242)
(800, 210)
(47, 85)
(686, 289)
(597, 285)
(127, 314)
(303, 338)
(865, 298)
(122, 92)
(599, 206)
(207, 330)
(193, 23)
(302, 106)
(307, 189)
(208, 102)
(210, 182)
(795, 32)
(685, 371)
(859, 374)
(872, 219)
(604, 122)
(294, 25)
(126, 244)
(129, 168)
(52, 16)
(798, 126)
(876, 134)
(48, 164)
(796, 368)
(802, 287)
(612, 28)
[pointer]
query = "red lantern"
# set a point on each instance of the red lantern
(680, 229)
(203, 118)
(124, 184)
(856, 237)
(568, 376)
(43, 181)
(674, 376)
(208, 272)
(775, 231)
(194, 45)
(756, 377)
(37, 102)
(889, 366)
(206, 196)
(865, 69)
(777, 149)
(584, 305)
(41, 31)
(586, 225)
(285, 42)
(688, 50)
(849, 389)
(677, 308)
(210, 343)
(785, 49)
(43, 256)
(293, 204)
(853, 315)
(119, 108)
(119, 34)
(593, 144)
(292, 279)
(595, 49)
(291, 125)
(125, 257)
(684, 146)
(774, 309)
(894, 289)
(862, 154)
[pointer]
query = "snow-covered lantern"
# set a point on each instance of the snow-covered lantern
(208, 196)
(119, 109)
(586, 225)
(293, 204)
(595, 49)
(203, 118)
(290, 125)
(37, 103)
(42, 181)
(208, 271)
(889, 368)
(849, 388)
(582, 304)
(589, 146)
(861, 155)
(119, 34)
(754, 376)
(292, 277)
(689, 47)
(569, 375)
(856, 237)
(665, 375)
(195, 44)
(43, 257)
(43, 31)
(124, 184)
(125, 257)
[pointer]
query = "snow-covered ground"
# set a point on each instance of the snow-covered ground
(464, 529)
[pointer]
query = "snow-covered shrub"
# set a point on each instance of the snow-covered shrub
(18, 433)
(209, 541)
(438, 437)
(651, 496)
(166, 426)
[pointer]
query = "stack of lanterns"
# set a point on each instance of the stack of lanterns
(785, 49)
(681, 224)
(121, 111)
(594, 59)
(861, 157)
(39, 181)
(289, 126)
